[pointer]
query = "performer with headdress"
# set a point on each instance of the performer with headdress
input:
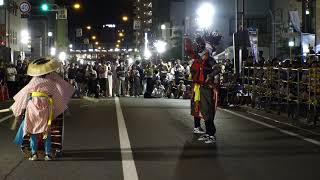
(42, 100)
(204, 71)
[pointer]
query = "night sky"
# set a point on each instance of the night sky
(96, 13)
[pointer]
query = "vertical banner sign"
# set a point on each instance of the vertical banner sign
(295, 20)
(79, 32)
(253, 37)
(136, 24)
(62, 13)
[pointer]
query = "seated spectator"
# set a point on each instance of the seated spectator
(181, 89)
(158, 91)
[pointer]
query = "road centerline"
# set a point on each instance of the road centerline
(128, 165)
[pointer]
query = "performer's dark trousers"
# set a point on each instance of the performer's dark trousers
(197, 122)
(207, 108)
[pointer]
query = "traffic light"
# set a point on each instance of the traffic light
(44, 7)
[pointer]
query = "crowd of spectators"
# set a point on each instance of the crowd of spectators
(13, 78)
(119, 78)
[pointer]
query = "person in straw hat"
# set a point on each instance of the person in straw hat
(42, 100)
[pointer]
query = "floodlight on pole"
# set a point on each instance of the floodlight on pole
(62, 56)
(25, 36)
(205, 15)
(160, 46)
(147, 54)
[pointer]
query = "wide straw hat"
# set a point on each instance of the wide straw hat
(42, 66)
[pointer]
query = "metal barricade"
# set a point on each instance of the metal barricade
(295, 90)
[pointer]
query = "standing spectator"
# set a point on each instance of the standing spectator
(92, 81)
(2, 73)
(103, 75)
(11, 80)
(178, 71)
(141, 73)
(121, 77)
(163, 68)
(20, 75)
(109, 80)
(135, 76)
(114, 78)
(187, 70)
(149, 78)
(72, 72)
(261, 59)
(80, 79)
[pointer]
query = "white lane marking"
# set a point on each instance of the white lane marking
(313, 141)
(128, 166)
(6, 118)
(288, 124)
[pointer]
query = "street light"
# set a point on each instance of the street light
(76, 6)
(291, 44)
(205, 15)
(119, 41)
(88, 27)
(117, 46)
(70, 46)
(50, 34)
(160, 46)
(307, 11)
(125, 18)
(163, 26)
(96, 43)
(121, 34)
(93, 37)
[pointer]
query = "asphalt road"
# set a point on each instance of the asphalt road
(162, 147)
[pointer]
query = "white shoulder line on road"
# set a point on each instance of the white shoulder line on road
(128, 165)
(6, 118)
(313, 141)
(287, 124)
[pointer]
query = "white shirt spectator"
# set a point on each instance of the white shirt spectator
(158, 92)
(11, 74)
